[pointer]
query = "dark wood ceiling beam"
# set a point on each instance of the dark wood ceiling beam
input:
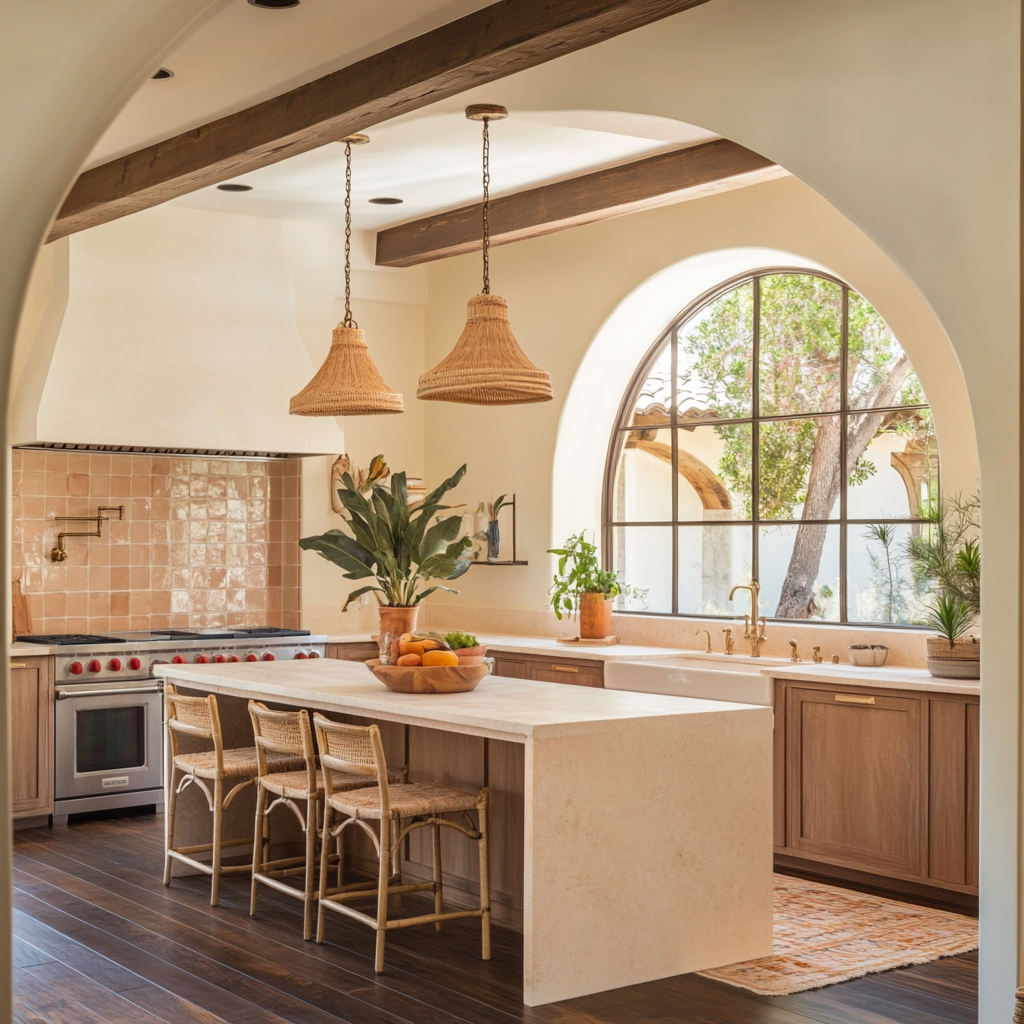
(653, 181)
(489, 44)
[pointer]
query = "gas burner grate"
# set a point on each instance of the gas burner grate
(68, 639)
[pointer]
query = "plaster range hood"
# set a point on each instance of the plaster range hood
(171, 332)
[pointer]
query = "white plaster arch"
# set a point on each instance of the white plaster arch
(592, 403)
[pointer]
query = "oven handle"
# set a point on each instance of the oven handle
(67, 694)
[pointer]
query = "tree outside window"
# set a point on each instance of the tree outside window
(778, 430)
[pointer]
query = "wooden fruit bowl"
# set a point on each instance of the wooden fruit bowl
(428, 678)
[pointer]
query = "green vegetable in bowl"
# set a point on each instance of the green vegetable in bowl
(457, 641)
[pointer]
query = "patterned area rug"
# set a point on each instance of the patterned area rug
(824, 935)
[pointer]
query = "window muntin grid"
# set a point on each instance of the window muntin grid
(671, 409)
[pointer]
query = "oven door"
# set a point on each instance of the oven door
(108, 738)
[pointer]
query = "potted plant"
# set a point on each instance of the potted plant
(398, 545)
(953, 654)
(946, 557)
(583, 588)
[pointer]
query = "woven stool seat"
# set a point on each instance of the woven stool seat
(239, 763)
(411, 800)
(398, 810)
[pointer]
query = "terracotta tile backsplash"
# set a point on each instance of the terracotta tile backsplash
(204, 542)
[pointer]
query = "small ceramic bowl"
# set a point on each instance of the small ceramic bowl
(862, 655)
(471, 656)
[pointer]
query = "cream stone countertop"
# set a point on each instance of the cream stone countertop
(896, 677)
(548, 645)
(501, 708)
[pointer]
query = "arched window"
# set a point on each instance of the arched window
(776, 430)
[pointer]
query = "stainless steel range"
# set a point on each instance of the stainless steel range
(108, 735)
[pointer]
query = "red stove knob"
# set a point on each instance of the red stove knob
(95, 666)
(75, 668)
(251, 657)
(134, 664)
(220, 659)
(114, 664)
(302, 656)
(314, 654)
(234, 657)
(178, 660)
(200, 659)
(269, 657)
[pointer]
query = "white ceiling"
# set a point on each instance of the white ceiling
(432, 162)
(430, 159)
(246, 54)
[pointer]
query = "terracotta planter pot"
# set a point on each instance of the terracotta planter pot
(394, 621)
(595, 616)
(961, 660)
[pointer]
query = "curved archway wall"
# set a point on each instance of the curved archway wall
(591, 405)
(905, 116)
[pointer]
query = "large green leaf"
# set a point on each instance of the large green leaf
(343, 551)
(439, 535)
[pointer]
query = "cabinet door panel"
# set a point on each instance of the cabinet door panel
(552, 672)
(31, 737)
(947, 791)
(855, 779)
(352, 652)
(511, 668)
(973, 769)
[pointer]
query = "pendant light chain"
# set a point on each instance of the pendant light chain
(348, 321)
(486, 206)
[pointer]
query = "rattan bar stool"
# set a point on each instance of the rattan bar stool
(198, 716)
(357, 750)
(287, 733)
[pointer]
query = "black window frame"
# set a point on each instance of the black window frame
(623, 428)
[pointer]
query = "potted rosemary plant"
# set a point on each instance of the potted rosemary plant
(946, 557)
(582, 587)
(400, 546)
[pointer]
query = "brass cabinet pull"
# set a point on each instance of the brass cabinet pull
(18, 664)
(562, 668)
(854, 698)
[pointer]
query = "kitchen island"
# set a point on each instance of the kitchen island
(647, 847)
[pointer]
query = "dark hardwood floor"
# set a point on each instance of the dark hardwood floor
(99, 938)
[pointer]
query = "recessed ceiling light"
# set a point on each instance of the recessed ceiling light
(230, 186)
(274, 5)
(387, 201)
(162, 74)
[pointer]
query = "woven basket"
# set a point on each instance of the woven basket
(487, 366)
(348, 384)
(967, 648)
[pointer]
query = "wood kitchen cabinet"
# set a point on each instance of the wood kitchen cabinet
(575, 671)
(352, 651)
(32, 737)
(877, 782)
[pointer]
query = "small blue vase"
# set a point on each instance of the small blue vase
(493, 540)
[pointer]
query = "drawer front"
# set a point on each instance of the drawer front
(352, 652)
(575, 675)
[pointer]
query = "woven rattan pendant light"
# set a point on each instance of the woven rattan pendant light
(487, 366)
(348, 384)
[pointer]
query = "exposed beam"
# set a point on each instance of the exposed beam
(489, 44)
(653, 181)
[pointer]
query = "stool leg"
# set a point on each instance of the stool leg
(485, 884)
(218, 820)
(437, 873)
(325, 846)
(308, 895)
(382, 893)
(259, 843)
(172, 804)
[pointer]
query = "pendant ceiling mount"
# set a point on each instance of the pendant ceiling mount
(487, 366)
(348, 383)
